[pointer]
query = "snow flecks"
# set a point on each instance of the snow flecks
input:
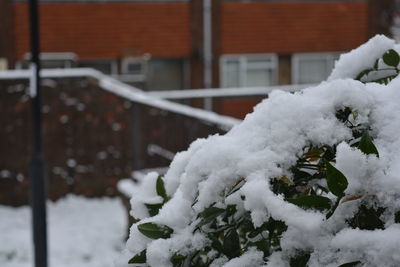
(264, 147)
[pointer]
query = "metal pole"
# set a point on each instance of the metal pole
(137, 136)
(207, 50)
(37, 177)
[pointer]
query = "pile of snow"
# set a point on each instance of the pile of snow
(82, 233)
(264, 146)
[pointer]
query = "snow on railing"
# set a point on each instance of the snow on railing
(129, 92)
(226, 92)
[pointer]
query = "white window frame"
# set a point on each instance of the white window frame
(243, 66)
(296, 58)
(125, 62)
(3, 64)
(67, 59)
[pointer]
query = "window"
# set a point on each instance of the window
(166, 74)
(105, 66)
(3, 64)
(248, 70)
(51, 60)
(310, 68)
(135, 65)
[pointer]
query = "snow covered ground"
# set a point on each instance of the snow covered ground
(82, 233)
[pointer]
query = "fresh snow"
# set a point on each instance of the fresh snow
(264, 146)
(225, 92)
(81, 232)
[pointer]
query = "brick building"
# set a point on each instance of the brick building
(159, 44)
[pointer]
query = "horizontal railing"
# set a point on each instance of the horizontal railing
(129, 92)
(226, 92)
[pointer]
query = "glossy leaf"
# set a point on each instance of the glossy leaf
(231, 244)
(139, 258)
(350, 264)
(397, 217)
(315, 202)
(391, 58)
(376, 64)
(336, 180)
(300, 260)
(209, 214)
(215, 243)
(367, 218)
(155, 231)
(177, 259)
(160, 188)
(367, 146)
(363, 73)
(153, 209)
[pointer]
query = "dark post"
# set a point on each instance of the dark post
(37, 177)
(138, 160)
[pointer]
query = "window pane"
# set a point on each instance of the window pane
(313, 70)
(165, 74)
(103, 66)
(231, 74)
(258, 77)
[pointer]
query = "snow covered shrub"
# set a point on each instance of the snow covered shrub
(308, 179)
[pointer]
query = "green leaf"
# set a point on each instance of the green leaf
(209, 214)
(332, 210)
(367, 218)
(391, 58)
(261, 245)
(315, 202)
(231, 244)
(337, 182)
(363, 73)
(155, 231)
(300, 260)
(160, 188)
(367, 146)
(350, 264)
(177, 259)
(376, 64)
(153, 209)
(231, 210)
(397, 217)
(215, 243)
(139, 258)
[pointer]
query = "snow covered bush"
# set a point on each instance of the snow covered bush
(307, 179)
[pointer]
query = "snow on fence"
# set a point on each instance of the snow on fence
(226, 92)
(129, 92)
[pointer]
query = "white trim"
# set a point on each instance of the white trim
(3, 64)
(226, 92)
(296, 58)
(56, 56)
(32, 80)
(125, 62)
(270, 63)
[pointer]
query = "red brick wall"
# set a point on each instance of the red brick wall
(7, 42)
(291, 27)
(106, 30)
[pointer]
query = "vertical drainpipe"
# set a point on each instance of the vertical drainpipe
(207, 50)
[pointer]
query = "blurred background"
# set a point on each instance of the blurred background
(98, 129)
